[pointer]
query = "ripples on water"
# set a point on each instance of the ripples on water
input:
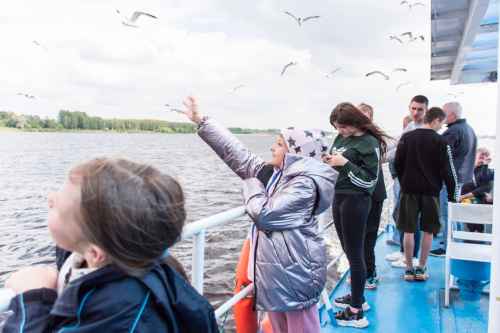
(33, 164)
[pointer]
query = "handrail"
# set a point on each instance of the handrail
(194, 228)
(227, 305)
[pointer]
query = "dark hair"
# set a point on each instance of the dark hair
(130, 210)
(421, 99)
(348, 114)
(434, 113)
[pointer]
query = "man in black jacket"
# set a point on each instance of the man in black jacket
(423, 163)
(463, 142)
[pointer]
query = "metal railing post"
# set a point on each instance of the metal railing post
(198, 261)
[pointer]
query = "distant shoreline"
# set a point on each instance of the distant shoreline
(4, 129)
(54, 130)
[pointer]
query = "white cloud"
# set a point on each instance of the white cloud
(95, 64)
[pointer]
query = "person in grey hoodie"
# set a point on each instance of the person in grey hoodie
(289, 255)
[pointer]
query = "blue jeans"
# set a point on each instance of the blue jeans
(396, 235)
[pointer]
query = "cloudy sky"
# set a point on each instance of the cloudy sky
(89, 61)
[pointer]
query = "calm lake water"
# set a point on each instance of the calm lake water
(33, 164)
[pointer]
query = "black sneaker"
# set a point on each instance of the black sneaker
(438, 253)
(371, 282)
(421, 274)
(349, 318)
(345, 301)
(409, 275)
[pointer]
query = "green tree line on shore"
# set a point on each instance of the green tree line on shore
(76, 120)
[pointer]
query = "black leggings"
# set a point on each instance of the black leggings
(372, 225)
(350, 214)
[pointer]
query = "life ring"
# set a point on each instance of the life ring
(244, 315)
(265, 326)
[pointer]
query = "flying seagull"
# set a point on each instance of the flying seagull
(393, 37)
(403, 84)
(291, 63)
(130, 22)
(39, 45)
(412, 38)
(412, 4)
(379, 73)
(26, 95)
(329, 75)
(455, 95)
(399, 69)
(300, 20)
(237, 88)
(172, 109)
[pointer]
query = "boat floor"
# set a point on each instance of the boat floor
(400, 306)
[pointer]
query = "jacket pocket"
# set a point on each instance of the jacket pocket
(288, 249)
(283, 252)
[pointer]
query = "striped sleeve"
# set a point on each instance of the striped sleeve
(449, 175)
(365, 175)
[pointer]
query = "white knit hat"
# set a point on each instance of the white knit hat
(311, 143)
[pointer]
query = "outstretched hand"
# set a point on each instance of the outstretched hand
(192, 110)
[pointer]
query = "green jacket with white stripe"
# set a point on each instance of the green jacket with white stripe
(360, 174)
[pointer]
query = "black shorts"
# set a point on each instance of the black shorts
(414, 205)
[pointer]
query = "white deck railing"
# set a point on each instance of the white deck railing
(197, 230)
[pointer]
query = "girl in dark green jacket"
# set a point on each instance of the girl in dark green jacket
(355, 154)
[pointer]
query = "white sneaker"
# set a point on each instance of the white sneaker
(395, 256)
(402, 263)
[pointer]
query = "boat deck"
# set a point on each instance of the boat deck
(400, 306)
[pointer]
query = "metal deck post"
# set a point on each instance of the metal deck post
(198, 264)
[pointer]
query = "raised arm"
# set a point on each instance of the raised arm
(241, 160)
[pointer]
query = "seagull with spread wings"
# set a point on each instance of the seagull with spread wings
(301, 20)
(399, 69)
(37, 43)
(411, 37)
(385, 76)
(173, 109)
(28, 96)
(238, 87)
(329, 75)
(285, 68)
(131, 21)
(412, 4)
(401, 85)
(396, 38)
(456, 95)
